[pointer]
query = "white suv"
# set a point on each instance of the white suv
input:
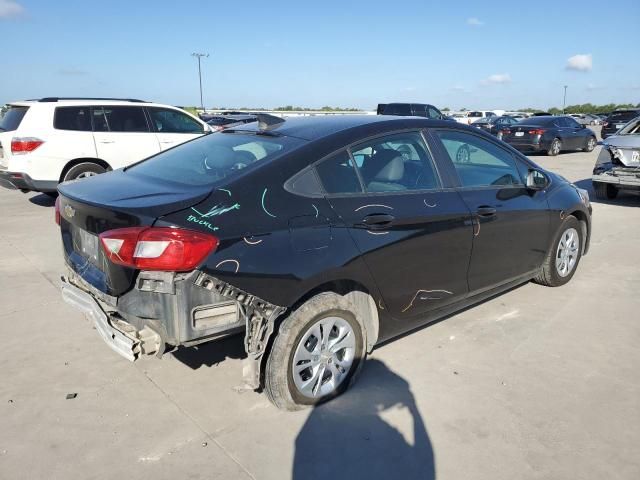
(52, 140)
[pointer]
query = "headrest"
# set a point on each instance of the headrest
(386, 166)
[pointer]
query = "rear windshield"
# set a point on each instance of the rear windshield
(623, 116)
(631, 128)
(214, 157)
(536, 121)
(10, 119)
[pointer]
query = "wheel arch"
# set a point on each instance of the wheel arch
(76, 161)
(585, 227)
(362, 299)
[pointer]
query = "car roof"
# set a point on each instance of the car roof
(312, 128)
(87, 102)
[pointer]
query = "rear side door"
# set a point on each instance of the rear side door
(122, 135)
(578, 133)
(414, 233)
(567, 132)
(511, 223)
(173, 127)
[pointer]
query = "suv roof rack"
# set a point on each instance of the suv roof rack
(55, 99)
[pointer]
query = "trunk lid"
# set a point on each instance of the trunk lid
(117, 199)
(519, 133)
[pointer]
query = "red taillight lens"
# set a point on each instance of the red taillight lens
(536, 131)
(22, 145)
(157, 248)
(58, 210)
(505, 131)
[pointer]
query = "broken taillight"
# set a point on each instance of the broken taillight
(157, 248)
(22, 145)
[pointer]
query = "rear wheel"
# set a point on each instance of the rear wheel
(463, 155)
(555, 147)
(83, 170)
(316, 354)
(591, 144)
(563, 258)
(605, 191)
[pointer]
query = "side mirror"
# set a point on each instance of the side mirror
(536, 180)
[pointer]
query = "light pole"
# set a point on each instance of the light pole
(199, 56)
(564, 99)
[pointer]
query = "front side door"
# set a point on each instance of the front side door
(414, 234)
(173, 127)
(122, 135)
(511, 223)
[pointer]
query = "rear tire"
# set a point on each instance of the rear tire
(297, 344)
(605, 191)
(566, 250)
(555, 147)
(83, 170)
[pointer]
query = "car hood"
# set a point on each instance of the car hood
(624, 141)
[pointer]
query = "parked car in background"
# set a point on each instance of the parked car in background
(541, 114)
(616, 120)
(410, 110)
(549, 134)
(494, 125)
(474, 115)
(618, 165)
(585, 118)
(220, 122)
(52, 140)
(320, 237)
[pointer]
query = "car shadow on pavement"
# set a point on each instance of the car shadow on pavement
(623, 199)
(350, 437)
(42, 200)
(211, 353)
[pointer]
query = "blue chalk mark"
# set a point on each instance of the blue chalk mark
(316, 209)
(265, 208)
(225, 190)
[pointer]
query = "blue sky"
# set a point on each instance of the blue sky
(476, 54)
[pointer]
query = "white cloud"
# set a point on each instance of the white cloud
(497, 79)
(580, 62)
(475, 22)
(10, 8)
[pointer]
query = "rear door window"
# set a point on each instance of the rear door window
(119, 119)
(393, 163)
(10, 118)
(403, 109)
(166, 120)
(479, 162)
(72, 118)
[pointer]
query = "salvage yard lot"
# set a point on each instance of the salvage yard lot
(536, 383)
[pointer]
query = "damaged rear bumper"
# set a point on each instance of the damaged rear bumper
(176, 310)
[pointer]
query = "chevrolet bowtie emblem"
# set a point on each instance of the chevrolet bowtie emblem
(69, 211)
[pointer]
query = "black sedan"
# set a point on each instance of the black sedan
(494, 124)
(616, 120)
(549, 134)
(318, 237)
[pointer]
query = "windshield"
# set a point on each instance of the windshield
(214, 157)
(631, 128)
(10, 119)
(482, 120)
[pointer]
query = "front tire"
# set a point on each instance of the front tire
(562, 260)
(316, 354)
(83, 170)
(555, 147)
(591, 144)
(605, 191)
